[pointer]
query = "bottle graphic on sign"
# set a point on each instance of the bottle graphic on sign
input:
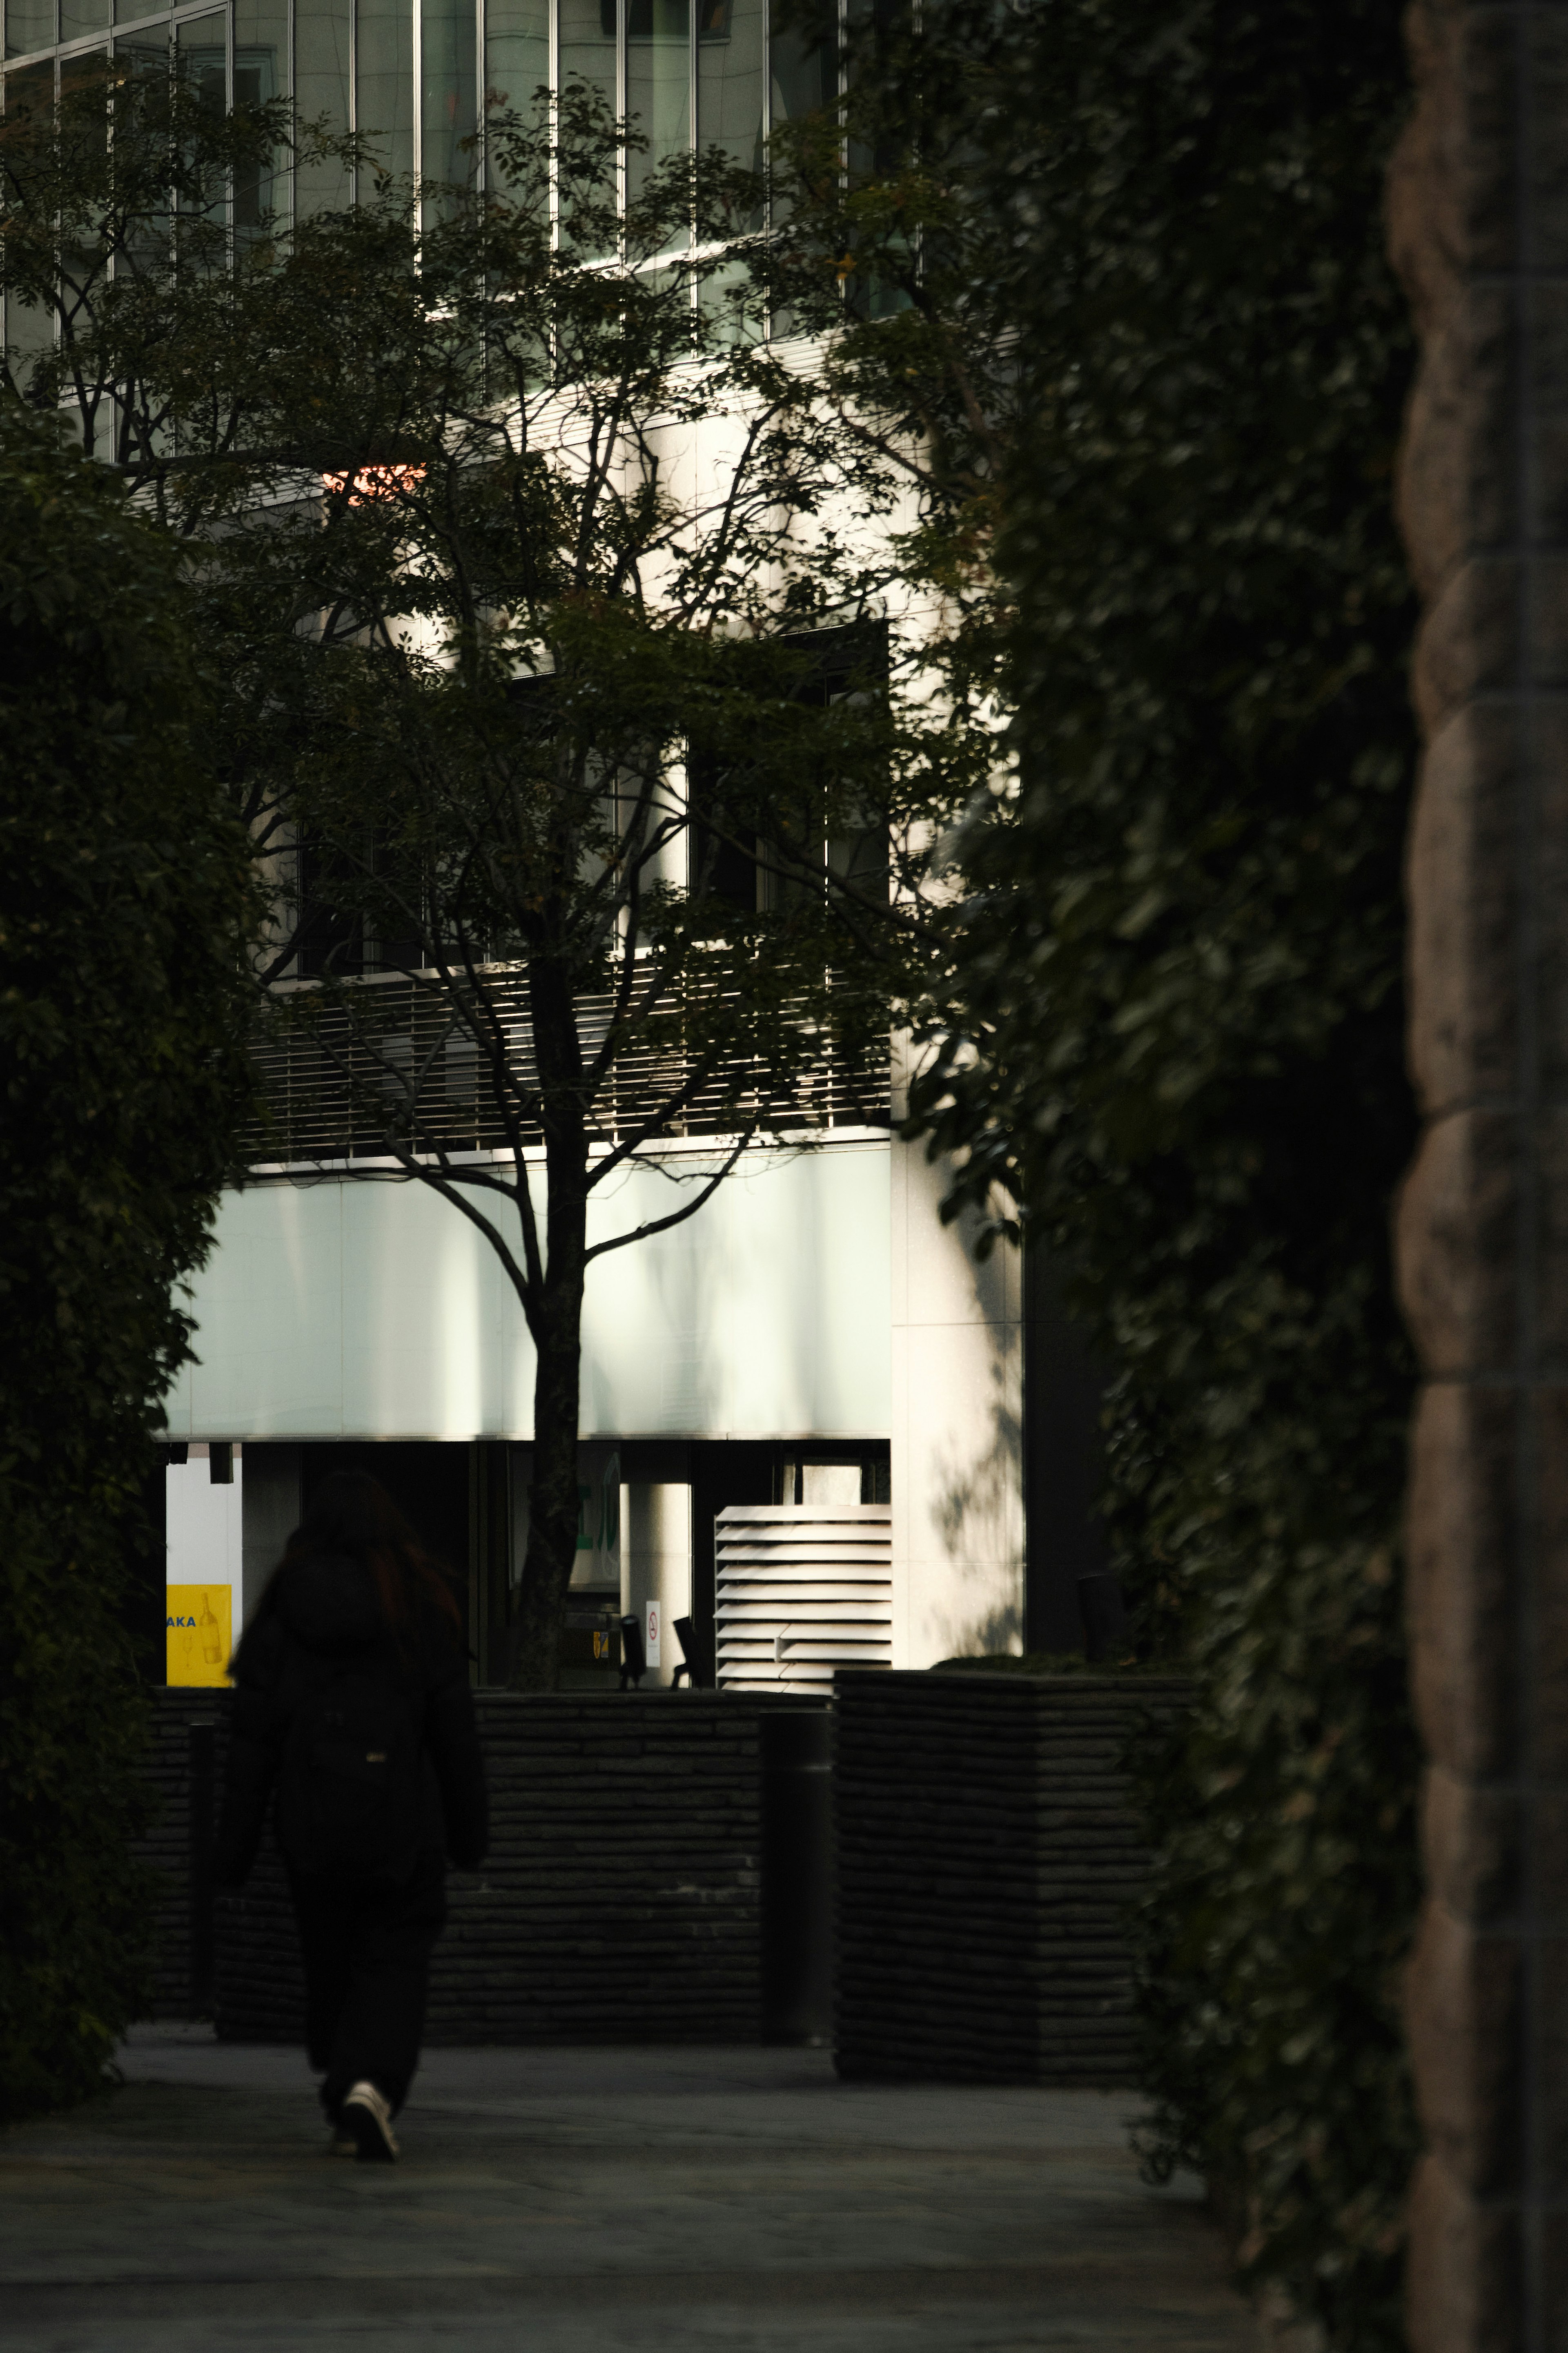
(199, 1620)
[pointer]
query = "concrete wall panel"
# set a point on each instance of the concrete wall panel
(957, 1429)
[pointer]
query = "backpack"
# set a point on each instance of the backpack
(350, 1784)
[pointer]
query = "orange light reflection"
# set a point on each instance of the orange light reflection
(373, 483)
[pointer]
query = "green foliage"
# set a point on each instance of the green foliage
(1178, 1040)
(124, 891)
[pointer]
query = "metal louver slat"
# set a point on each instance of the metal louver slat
(802, 1588)
(849, 1555)
(342, 1074)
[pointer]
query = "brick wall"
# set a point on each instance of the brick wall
(168, 1843)
(985, 1855)
(620, 1902)
(984, 1859)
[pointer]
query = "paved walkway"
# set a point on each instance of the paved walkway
(598, 2202)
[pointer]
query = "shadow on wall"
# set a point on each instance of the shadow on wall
(976, 1513)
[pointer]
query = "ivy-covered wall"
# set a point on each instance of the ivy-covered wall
(1182, 979)
(124, 893)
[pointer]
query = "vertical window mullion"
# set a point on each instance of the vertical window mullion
(693, 127)
(354, 87)
(419, 92)
(552, 74)
(622, 101)
(228, 109)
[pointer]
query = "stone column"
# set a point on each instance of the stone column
(1479, 233)
(655, 1567)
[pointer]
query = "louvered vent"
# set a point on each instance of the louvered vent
(341, 1075)
(803, 1588)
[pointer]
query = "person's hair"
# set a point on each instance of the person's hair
(352, 1513)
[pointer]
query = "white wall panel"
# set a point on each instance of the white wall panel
(269, 1305)
(367, 1310)
(203, 1523)
(957, 1414)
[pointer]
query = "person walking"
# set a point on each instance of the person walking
(352, 1716)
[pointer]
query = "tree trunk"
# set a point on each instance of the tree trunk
(558, 1336)
(552, 1501)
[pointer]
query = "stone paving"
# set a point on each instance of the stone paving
(598, 2201)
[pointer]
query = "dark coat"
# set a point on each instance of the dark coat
(327, 1608)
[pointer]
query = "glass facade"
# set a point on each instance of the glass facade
(260, 72)
(516, 54)
(413, 79)
(80, 18)
(659, 76)
(324, 93)
(412, 76)
(29, 25)
(449, 83)
(383, 81)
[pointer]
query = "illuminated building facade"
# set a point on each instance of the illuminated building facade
(816, 1338)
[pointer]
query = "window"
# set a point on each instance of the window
(695, 73)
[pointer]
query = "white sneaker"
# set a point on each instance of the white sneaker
(366, 2117)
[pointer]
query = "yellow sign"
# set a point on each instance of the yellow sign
(197, 1637)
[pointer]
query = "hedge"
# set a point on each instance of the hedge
(1177, 1040)
(125, 891)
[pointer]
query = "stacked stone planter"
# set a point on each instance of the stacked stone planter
(985, 1860)
(188, 1727)
(620, 1902)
